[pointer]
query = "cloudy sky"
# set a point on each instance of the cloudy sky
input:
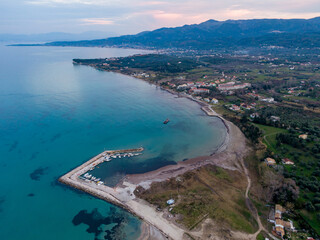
(132, 16)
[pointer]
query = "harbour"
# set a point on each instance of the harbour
(82, 175)
(122, 196)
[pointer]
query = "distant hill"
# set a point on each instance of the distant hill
(220, 34)
(52, 36)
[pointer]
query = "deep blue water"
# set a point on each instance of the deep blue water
(54, 116)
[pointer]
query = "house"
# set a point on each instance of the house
(232, 86)
(214, 101)
(246, 106)
(279, 210)
(190, 84)
(287, 161)
(212, 84)
(280, 230)
(206, 100)
(234, 107)
(172, 85)
(270, 161)
(269, 100)
(200, 84)
(225, 86)
(281, 225)
(303, 136)
(199, 90)
(182, 87)
(275, 118)
(288, 225)
(254, 115)
(254, 95)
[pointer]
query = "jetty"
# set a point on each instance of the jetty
(122, 196)
(77, 178)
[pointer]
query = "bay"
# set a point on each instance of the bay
(55, 116)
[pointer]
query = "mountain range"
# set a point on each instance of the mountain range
(291, 33)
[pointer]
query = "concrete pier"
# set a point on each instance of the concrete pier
(122, 196)
(101, 191)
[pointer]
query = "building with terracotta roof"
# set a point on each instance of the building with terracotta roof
(303, 136)
(280, 231)
(287, 161)
(270, 161)
(281, 225)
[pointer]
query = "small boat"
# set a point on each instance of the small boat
(166, 121)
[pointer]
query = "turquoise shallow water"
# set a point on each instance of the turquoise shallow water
(54, 116)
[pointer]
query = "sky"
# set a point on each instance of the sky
(132, 16)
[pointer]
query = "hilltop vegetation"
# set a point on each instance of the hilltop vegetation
(230, 34)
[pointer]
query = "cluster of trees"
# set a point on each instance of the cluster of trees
(157, 63)
(290, 139)
(252, 132)
(314, 204)
(287, 192)
(152, 62)
(290, 118)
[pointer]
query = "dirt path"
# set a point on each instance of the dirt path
(266, 140)
(252, 208)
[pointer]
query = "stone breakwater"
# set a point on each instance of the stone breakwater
(101, 191)
(121, 195)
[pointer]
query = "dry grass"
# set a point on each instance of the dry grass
(209, 191)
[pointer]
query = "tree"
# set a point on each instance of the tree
(309, 206)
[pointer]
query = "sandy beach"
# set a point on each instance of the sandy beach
(229, 157)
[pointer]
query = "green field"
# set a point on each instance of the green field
(269, 135)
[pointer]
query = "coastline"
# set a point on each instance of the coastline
(228, 156)
(123, 194)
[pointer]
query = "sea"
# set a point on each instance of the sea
(55, 116)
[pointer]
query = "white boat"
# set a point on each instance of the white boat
(99, 182)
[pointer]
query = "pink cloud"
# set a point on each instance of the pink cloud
(96, 21)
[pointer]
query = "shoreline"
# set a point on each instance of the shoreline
(227, 156)
(205, 107)
(123, 194)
